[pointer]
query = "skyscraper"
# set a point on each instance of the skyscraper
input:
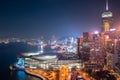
(107, 17)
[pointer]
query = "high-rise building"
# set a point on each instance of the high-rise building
(86, 36)
(107, 17)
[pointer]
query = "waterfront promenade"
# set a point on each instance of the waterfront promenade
(35, 73)
(55, 74)
(45, 75)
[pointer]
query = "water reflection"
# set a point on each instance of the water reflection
(21, 75)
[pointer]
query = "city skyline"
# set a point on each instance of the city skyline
(60, 18)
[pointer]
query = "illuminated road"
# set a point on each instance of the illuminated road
(61, 74)
(80, 75)
(45, 75)
(35, 73)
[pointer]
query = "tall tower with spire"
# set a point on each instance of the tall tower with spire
(107, 18)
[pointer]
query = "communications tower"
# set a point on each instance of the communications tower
(107, 17)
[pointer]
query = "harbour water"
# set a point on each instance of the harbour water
(8, 56)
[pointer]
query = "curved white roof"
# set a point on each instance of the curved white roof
(30, 54)
(45, 57)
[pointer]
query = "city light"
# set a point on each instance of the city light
(93, 56)
(113, 29)
(96, 32)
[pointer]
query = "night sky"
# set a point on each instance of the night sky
(35, 18)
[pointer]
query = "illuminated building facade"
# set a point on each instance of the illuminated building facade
(107, 17)
(83, 46)
(89, 49)
(47, 61)
(40, 47)
(112, 48)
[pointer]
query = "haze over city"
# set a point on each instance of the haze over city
(36, 18)
(60, 40)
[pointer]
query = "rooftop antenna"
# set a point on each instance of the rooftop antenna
(107, 5)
